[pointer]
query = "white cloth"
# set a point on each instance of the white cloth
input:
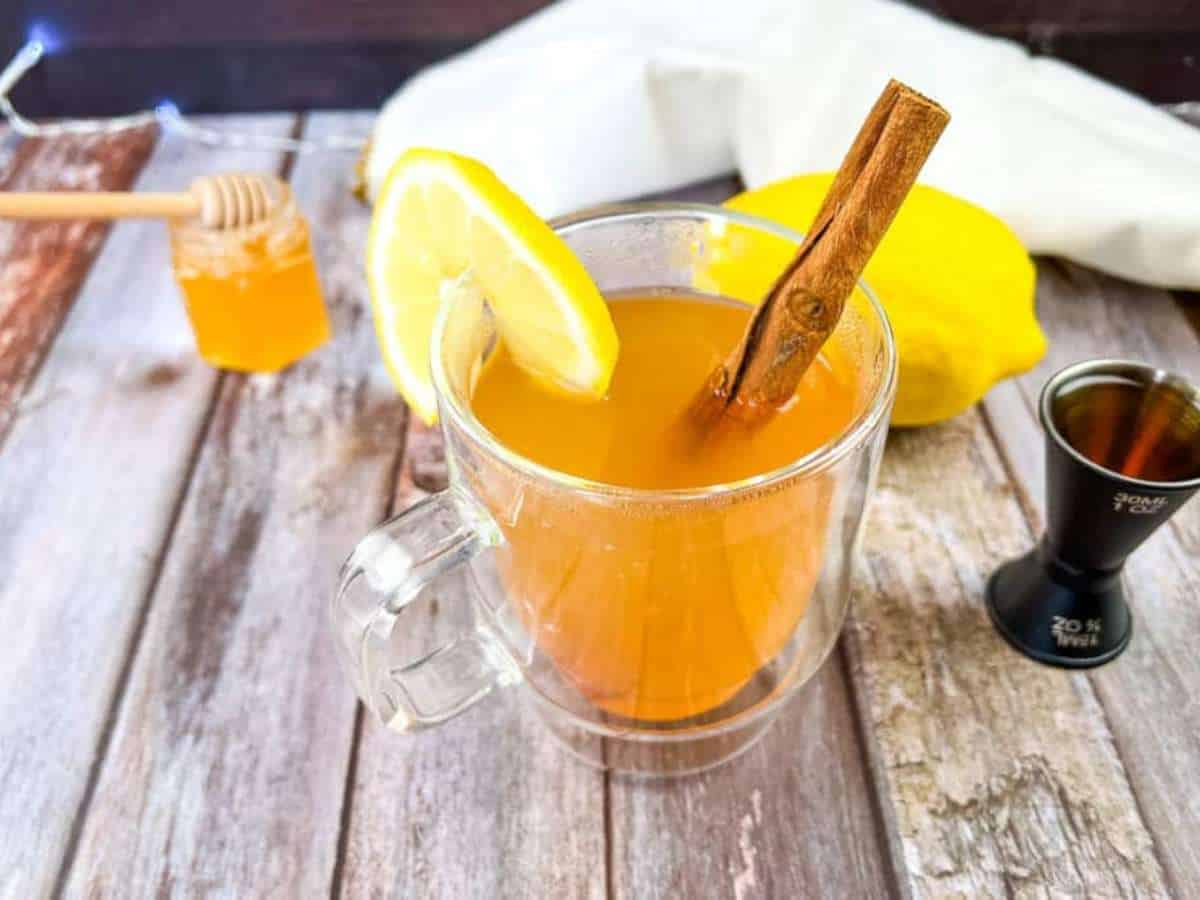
(596, 100)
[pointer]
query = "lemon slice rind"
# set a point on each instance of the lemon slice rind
(440, 218)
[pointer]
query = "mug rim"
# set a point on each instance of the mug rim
(1143, 372)
(816, 460)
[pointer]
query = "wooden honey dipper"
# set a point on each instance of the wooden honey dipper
(232, 200)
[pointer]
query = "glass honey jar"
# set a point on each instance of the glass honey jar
(251, 292)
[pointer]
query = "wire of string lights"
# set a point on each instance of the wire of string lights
(166, 114)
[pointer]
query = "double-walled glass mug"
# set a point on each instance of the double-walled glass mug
(654, 631)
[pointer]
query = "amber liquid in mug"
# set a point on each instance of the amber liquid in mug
(1150, 432)
(659, 610)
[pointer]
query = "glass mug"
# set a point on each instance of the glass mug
(656, 632)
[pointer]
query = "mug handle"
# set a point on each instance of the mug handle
(404, 565)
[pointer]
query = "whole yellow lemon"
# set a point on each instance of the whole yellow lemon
(957, 285)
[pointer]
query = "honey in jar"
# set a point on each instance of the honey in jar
(252, 293)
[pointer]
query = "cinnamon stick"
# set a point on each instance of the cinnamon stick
(803, 306)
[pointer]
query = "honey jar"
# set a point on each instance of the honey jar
(251, 292)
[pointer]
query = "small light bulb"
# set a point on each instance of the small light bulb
(46, 35)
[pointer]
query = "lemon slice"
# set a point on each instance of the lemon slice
(439, 218)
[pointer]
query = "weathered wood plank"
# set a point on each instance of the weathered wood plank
(715, 190)
(793, 817)
(228, 762)
(484, 806)
(42, 264)
(1189, 301)
(998, 776)
(90, 478)
(1148, 695)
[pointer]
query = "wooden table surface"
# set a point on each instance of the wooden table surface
(173, 721)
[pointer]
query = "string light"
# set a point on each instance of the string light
(171, 119)
(166, 114)
(46, 34)
(28, 57)
(44, 39)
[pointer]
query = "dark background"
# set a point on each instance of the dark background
(116, 56)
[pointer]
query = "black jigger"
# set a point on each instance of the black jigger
(1063, 603)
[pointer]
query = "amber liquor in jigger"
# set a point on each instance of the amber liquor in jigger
(1122, 455)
